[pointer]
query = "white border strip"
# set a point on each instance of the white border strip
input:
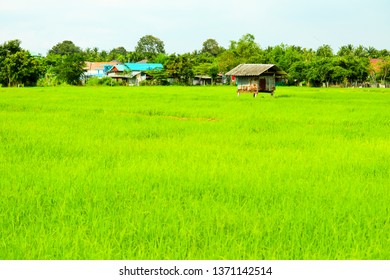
(113, 270)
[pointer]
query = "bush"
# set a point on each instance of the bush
(48, 81)
(105, 81)
(94, 81)
(145, 83)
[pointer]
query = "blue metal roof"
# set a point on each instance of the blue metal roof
(121, 68)
(144, 66)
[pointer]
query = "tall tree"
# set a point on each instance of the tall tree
(246, 49)
(17, 66)
(226, 61)
(65, 48)
(149, 47)
(8, 48)
(179, 67)
(324, 51)
(92, 54)
(320, 71)
(211, 47)
(66, 61)
(360, 51)
(22, 68)
(346, 50)
(372, 52)
(118, 53)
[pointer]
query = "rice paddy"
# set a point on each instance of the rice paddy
(194, 173)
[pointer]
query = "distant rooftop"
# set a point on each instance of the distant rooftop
(144, 66)
(254, 70)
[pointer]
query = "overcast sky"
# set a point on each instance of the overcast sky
(184, 25)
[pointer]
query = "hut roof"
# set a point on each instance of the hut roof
(254, 70)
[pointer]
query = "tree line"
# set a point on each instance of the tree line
(65, 61)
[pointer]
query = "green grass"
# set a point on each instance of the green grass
(194, 173)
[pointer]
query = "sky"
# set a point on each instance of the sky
(183, 25)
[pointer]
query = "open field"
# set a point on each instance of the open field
(194, 173)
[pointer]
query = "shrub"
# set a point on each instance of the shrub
(94, 81)
(105, 81)
(48, 81)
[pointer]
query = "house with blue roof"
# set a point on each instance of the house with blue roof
(144, 66)
(133, 73)
(98, 69)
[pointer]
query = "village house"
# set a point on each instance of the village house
(132, 73)
(255, 78)
(97, 69)
(201, 80)
(204, 80)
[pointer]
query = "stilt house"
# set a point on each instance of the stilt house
(255, 78)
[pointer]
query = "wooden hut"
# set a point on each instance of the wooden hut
(202, 80)
(255, 78)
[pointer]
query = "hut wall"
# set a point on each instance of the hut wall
(269, 83)
(256, 83)
(201, 81)
(246, 83)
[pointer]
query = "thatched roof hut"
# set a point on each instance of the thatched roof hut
(255, 70)
(256, 77)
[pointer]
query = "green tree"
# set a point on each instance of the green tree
(149, 47)
(179, 67)
(161, 58)
(211, 46)
(360, 51)
(93, 55)
(352, 64)
(8, 48)
(346, 50)
(246, 49)
(103, 55)
(119, 54)
(159, 77)
(340, 73)
(22, 68)
(226, 61)
(69, 68)
(206, 69)
(320, 71)
(202, 69)
(372, 52)
(384, 53)
(324, 51)
(66, 61)
(297, 72)
(202, 57)
(64, 48)
(17, 66)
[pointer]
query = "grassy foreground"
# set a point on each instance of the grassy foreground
(194, 173)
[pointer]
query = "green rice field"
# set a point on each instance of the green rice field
(194, 173)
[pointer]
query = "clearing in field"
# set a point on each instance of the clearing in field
(194, 173)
